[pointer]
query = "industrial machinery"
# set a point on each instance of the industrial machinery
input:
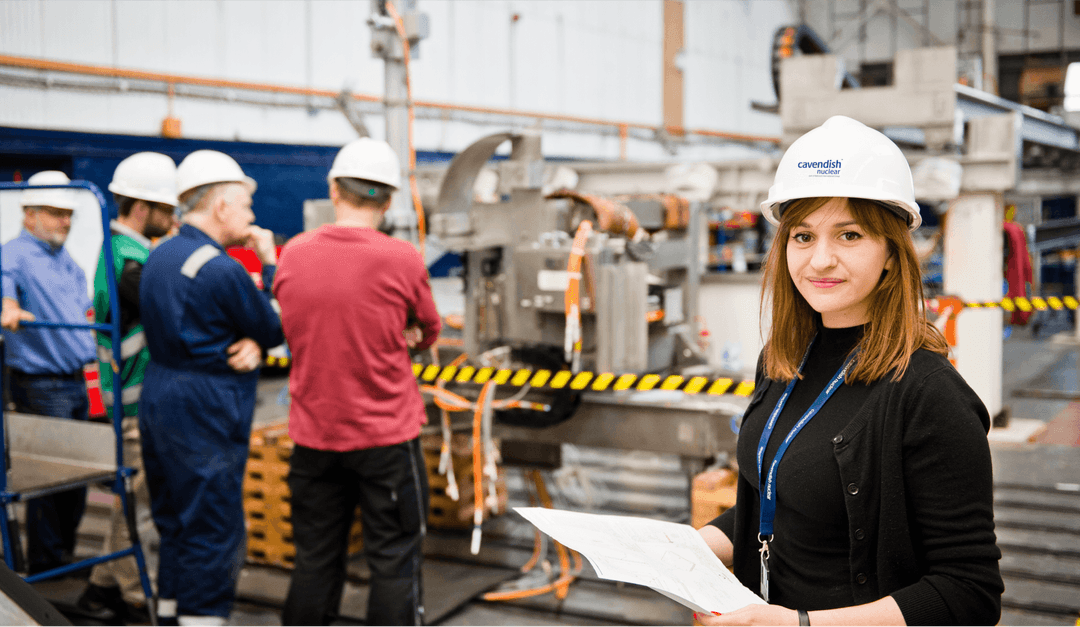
(574, 282)
(635, 289)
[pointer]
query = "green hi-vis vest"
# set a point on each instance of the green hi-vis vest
(134, 354)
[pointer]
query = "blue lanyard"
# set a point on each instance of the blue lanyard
(768, 490)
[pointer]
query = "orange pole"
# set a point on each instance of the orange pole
(32, 63)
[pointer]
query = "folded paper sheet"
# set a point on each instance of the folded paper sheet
(670, 558)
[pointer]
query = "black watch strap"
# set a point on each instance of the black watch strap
(804, 618)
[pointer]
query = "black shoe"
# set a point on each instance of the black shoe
(102, 604)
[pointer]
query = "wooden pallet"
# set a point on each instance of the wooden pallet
(711, 493)
(267, 507)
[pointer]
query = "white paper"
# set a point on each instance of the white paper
(670, 558)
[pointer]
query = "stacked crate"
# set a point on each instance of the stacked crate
(711, 493)
(267, 508)
(445, 512)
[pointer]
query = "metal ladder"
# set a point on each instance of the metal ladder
(45, 455)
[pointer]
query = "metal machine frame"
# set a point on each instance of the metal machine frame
(47, 455)
(521, 236)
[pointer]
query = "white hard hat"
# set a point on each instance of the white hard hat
(59, 198)
(368, 159)
(203, 167)
(148, 176)
(847, 159)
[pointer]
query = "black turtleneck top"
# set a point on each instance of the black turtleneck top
(810, 548)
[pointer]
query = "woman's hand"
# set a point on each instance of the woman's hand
(753, 614)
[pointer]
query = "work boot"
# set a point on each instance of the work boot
(101, 604)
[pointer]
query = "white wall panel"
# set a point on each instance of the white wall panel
(80, 111)
(144, 35)
(77, 30)
(589, 58)
(140, 113)
(725, 73)
(20, 24)
(341, 48)
(193, 37)
(21, 107)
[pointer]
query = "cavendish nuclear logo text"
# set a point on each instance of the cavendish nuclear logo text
(827, 168)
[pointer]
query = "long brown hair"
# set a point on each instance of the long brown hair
(897, 326)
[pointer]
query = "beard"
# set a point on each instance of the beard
(153, 231)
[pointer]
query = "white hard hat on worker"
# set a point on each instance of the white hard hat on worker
(204, 167)
(58, 198)
(148, 176)
(367, 159)
(844, 158)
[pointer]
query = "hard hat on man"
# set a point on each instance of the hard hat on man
(844, 158)
(148, 176)
(59, 198)
(367, 159)
(204, 167)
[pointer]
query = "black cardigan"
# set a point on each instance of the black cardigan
(915, 465)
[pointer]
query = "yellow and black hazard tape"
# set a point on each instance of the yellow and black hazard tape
(563, 379)
(582, 381)
(1035, 303)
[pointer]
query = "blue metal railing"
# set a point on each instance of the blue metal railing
(123, 473)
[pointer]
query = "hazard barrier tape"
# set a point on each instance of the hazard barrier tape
(542, 379)
(564, 379)
(1035, 303)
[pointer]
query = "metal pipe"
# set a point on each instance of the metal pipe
(989, 46)
(32, 63)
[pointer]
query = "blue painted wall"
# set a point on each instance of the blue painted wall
(287, 174)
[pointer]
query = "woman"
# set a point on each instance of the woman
(881, 511)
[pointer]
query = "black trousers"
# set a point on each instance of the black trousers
(390, 485)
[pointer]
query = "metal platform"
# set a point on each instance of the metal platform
(53, 454)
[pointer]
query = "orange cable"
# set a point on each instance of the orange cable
(478, 467)
(560, 586)
(572, 344)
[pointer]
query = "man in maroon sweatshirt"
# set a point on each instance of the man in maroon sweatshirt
(353, 300)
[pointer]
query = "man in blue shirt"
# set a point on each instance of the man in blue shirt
(41, 281)
(206, 324)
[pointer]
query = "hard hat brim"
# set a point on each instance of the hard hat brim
(773, 208)
(123, 190)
